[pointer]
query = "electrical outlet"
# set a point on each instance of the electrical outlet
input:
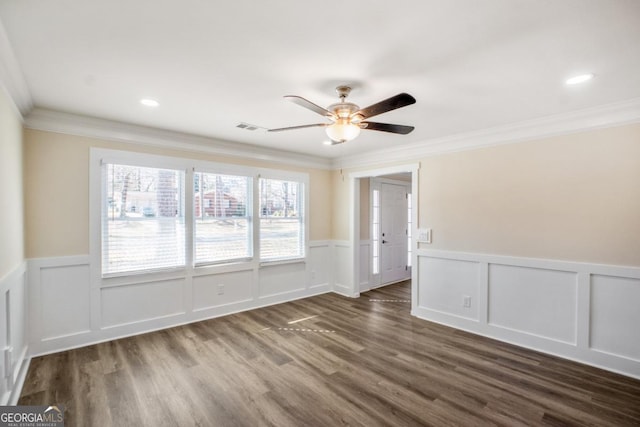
(466, 301)
(220, 289)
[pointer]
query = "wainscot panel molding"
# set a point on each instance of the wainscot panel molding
(67, 311)
(580, 311)
(365, 265)
(14, 361)
(319, 257)
(341, 269)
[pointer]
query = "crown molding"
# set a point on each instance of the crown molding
(74, 124)
(11, 78)
(608, 115)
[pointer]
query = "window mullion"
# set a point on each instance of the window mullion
(257, 216)
(189, 217)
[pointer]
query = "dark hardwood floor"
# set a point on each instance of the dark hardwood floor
(360, 362)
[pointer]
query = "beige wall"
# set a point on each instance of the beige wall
(340, 205)
(11, 194)
(574, 197)
(57, 191)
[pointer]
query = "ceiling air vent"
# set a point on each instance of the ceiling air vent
(247, 126)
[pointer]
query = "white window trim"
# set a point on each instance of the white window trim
(224, 169)
(99, 156)
(172, 269)
(284, 176)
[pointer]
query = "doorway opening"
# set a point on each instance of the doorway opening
(387, 215)
(384, 201)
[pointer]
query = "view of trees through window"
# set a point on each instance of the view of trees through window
(144, 216)
(222, 220)
(281, 219)
(143, 223)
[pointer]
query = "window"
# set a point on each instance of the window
(281, 219)
(154, 213)
(222, 207)
(375, 232)
(142, 219)
(409, 226)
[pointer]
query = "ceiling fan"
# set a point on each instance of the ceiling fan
(347, 119)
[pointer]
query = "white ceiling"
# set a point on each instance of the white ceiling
(211, 64)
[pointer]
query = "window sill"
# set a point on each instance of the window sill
(138, 277)
(283, 262)
(225, 267)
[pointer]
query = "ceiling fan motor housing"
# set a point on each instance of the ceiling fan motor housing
(343, 109)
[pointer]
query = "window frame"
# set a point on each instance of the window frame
(301, 178)
(301, 219)
(97, 199)
(249, 209)
(154, 162)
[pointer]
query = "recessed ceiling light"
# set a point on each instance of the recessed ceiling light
(149, 102)
(579, 79)
(327, 142)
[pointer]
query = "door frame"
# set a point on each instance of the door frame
(353, 272)
(372, 183)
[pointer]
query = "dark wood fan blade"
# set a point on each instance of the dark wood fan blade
(309, 105)
(393, 103)
(300, 127)
(387, 127)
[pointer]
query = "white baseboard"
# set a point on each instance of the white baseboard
(344, 291)
(20, 378)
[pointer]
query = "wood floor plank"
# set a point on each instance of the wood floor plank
(326, 361)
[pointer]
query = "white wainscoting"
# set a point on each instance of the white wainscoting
(342, 265)
(580, 311)
(130, 304)
(365, 265)
(14, 360)
(218, 290)
(282, 279)
(66, 310)
(319, 264)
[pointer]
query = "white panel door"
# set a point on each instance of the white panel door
(393, 233)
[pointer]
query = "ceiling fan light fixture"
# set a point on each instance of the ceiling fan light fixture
(149, 102)
(579, 79)
(342, 130)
